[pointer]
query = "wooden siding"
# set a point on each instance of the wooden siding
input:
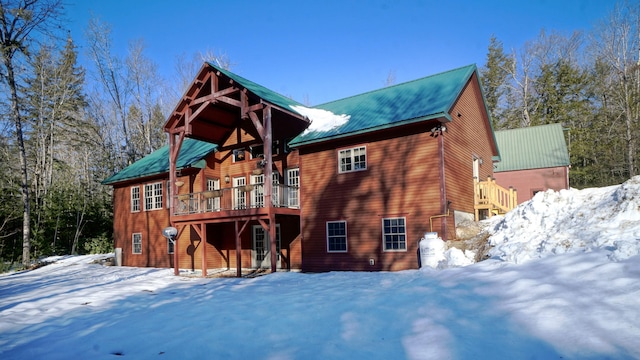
(221, 245)
(148, 223)
(468, 136)
(401, 180)
(220, 242)
(528, 182)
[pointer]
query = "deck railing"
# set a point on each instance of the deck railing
(236, 198)
(494, 198)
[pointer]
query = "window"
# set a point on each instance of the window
(257, 194)
(258, 150)
(354, 159)
(238, 155)
(153, 196)
(136, 247)
(135, 199)
(239, 194)
(170, 246)
(293, 187)
(394, 234)
(336, 236)
(213, 204)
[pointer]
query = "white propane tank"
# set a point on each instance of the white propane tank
(431, 250)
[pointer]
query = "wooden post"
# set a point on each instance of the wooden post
(175, 143)
(268, 185)
(203, 243)
(238, 251)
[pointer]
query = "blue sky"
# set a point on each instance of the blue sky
(326, 50)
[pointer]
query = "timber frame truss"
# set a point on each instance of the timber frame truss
(218, 106)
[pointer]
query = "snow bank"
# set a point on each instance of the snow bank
(321, 120)
(571, 221)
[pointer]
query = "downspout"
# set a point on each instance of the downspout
(443, 189)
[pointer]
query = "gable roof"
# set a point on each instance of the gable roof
(191, 153)
(261, 91)
(534, 147)
(427, 98)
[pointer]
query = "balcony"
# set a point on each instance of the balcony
(236, 199)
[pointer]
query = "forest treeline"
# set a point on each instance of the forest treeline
(65, 128)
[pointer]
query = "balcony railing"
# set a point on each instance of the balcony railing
(236, 198)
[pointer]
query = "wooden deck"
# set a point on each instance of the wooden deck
(492, 199)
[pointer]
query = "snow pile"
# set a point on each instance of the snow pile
(573, 306)
(321, 120)
(571, 221)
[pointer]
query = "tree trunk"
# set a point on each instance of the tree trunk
(24, 179)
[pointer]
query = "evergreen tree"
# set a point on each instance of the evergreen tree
(494, 77)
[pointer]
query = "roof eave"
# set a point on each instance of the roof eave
(444, 115)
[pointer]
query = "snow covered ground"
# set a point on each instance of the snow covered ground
(563, 282)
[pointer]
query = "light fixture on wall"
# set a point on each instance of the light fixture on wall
(227, 179)
(179, 183)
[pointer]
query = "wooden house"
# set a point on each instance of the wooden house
(355, 193)
(533, 159)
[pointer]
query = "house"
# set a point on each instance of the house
(348, 185)
(533, 159)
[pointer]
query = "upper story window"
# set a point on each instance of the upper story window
(258, 150)
(238, 155)
(135, 198)
(354, 159)
(153, 196)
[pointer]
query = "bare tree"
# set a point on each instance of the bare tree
(616, 43)
(20, 22)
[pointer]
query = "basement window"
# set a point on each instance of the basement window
(136, 246)
(336, 236)
(394, 234)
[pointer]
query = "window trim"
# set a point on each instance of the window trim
(131, 203)
(384, 243)
(133, 243)
(352, 159)
(346, 238)
(156, 200)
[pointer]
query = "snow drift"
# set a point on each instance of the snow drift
(571, 221)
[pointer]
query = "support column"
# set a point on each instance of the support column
(268, 184)
(238, 250)
(175, 143)
(203, 243)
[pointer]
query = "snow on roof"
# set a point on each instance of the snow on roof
(321, 120)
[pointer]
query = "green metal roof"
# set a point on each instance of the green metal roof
(191, 154)
(418, 100)
(261, 91)
(532, 147)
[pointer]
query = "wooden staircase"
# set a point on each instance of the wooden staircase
(492, 199)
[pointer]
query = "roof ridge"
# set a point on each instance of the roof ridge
(230, 73)
(397, 85)
(529, 127)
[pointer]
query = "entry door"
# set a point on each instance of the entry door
(260, 253)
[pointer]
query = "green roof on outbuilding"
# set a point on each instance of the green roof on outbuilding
(191, 154)
(418, 100)
(534, 147)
